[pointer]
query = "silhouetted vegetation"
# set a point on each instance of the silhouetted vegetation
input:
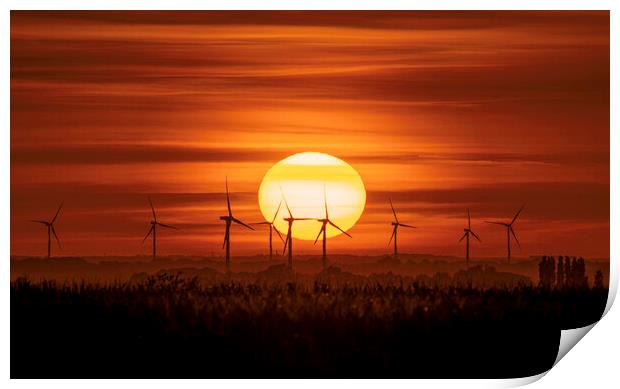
(335, 324)
(569, 274)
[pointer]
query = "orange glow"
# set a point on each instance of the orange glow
(439, 111)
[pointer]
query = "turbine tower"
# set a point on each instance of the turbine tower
(510, 230)
(229, 219)
(325, 221)
(289, 234)
(271, 228)
(50, 231)
(466, 235)
(395, 225)
(153, 230)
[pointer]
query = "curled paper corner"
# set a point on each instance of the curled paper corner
(569, 338)
(517, 382)
(613, 289)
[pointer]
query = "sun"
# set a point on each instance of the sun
(303, 179)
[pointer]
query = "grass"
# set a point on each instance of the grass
(380, 326)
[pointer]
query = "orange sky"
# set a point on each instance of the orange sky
(439, 110)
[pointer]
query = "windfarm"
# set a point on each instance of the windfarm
(395, 225)
(271, 230)
(509, 230)
(155, 224)
(50, 230)
(229, 219)
(323, 231)
(324, 223)
(468, 232)
(288, 243)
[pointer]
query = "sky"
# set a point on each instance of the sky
(439, 111)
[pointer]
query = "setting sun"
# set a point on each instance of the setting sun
(303, 178)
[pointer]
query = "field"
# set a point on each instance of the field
(334, 324)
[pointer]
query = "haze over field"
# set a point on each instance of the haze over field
(440, 111)
(341, 267)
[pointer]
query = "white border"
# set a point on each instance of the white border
(574, 371)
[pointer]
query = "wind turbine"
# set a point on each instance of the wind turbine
(510, 230)
(153, 229)
(271, 228)
(466, 235)
(325, 221)
(229, 219)
(289, 234)
(50, 231)
(396, 224)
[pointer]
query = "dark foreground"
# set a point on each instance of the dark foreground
(167, 326)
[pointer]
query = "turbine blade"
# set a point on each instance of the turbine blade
(475, 236)
(341, 230)
(304, 218)
(228, 199)
(259, 223)
(57, 212)
(276, 214)
(39, 221)
(290, 214)
(406, 225)
(148, 233)
(498, 223)
(468, 220)
(286, 241)
(393, 211)
(463, 237)
(515, 236)
(322, 230)
(517, 214)
(153, 209)
(242, 223)
(280, 235)
(56, 236)
(325, 199)
(167, 226)
(392, 237)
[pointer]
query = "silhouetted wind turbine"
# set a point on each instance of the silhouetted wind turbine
(510, 230)
(396, 224)
(466, 235)
(50, 231)
(325, 221)
(289, 234)
(229, 219)
(271, 228)
(153, 229)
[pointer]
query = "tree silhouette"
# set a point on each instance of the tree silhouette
(582, 279)
(598, 280)
(560, 273)
(568, 278)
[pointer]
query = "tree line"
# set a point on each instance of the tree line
(567, 273)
